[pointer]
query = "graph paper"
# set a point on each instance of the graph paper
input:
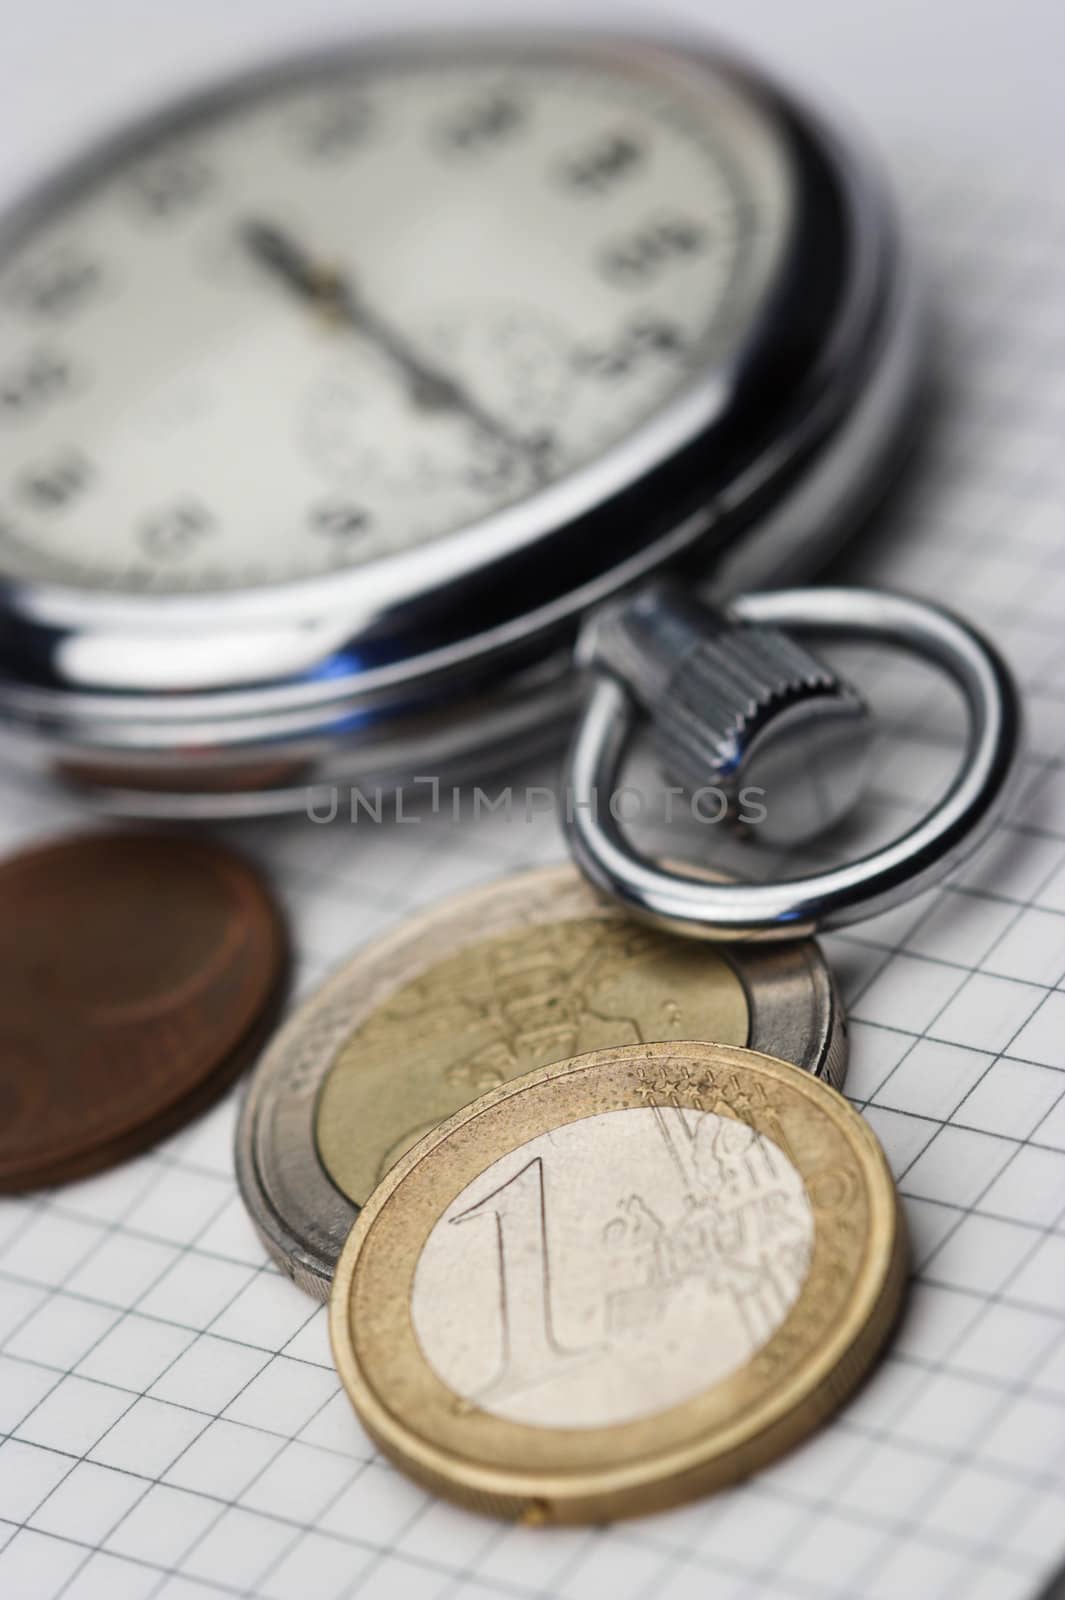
(173, 1425)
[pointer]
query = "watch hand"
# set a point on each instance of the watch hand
(336, 294)
(277, 250)
(329, 292)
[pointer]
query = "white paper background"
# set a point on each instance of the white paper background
(175, 1424)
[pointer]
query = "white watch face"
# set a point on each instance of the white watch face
(352, 314)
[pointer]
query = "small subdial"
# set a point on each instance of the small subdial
(516, 360)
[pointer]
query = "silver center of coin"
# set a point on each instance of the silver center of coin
(613, 1267)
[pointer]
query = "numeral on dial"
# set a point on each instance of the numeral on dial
(56, 484)
(36, 381)
(643, 256)
(645, 341)
(601, 166)
(481, 125)
(57, 284)
(338, 520)
(334, 127)
(176, 532)
(170, 184)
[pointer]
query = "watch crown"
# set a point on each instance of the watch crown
(740, 708)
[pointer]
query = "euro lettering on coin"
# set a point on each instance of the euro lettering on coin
(619, 1282)
(471, 994)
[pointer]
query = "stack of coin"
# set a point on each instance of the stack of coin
(587, 1266)
(138, 974)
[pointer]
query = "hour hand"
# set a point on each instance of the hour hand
(286, 258)
(338, 295)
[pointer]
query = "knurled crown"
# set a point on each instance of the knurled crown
(738, 707)
(724, 691)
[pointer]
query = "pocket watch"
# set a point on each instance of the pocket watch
(333, 401)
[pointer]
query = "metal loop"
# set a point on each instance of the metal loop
(946, 836)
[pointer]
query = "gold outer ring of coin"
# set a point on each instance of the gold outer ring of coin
(505, 1443)
(408, 998)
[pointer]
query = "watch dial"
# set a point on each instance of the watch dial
(347, 315)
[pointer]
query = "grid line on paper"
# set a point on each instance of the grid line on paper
(126, 1299)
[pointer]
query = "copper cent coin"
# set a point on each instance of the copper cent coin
(136, 974)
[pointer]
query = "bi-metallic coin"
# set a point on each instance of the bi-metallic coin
(619, 1282)
(475, 992)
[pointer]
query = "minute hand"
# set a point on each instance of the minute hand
(337, 295)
